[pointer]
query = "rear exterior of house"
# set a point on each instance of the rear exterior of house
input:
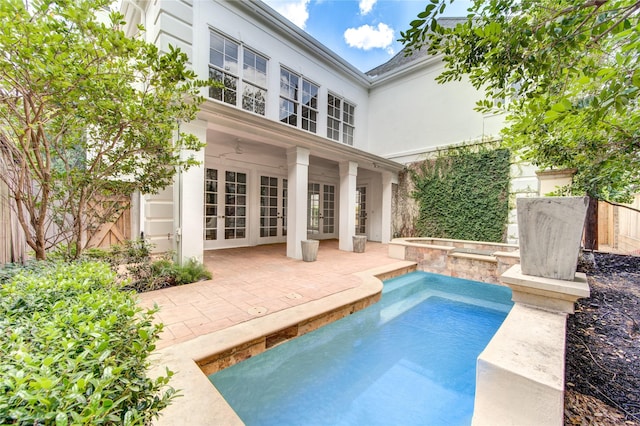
(299, 144)
(286, 155)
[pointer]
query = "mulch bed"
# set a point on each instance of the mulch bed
(603, 345)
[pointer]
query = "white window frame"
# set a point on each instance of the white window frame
(340, 119)
(298, 105)
(247, 87)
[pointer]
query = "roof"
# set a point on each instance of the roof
(401, 58)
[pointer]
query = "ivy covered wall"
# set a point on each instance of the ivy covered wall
(461, 194)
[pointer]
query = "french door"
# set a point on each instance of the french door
(321, 211)
(273, 209)
(361, 210)
(225, 208)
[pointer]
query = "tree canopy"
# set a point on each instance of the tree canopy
(565, 72)
(87, 115)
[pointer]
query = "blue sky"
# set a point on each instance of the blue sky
(364, 32)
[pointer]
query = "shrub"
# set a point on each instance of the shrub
(74, 350)
(134, 265)
(190, 272)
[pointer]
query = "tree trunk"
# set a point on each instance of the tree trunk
(591, 225)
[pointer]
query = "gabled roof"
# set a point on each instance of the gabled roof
(400, 60)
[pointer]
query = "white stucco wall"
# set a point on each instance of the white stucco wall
(282, 48)
(413, 114)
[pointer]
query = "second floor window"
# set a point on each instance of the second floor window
(223, 57)
(254, 94)
(340, 120)
(248, 77)
(298, 101)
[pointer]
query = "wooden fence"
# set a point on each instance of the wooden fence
(12, 244)
(13, 247)
(619, 227)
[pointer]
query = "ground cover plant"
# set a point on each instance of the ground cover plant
(74, 349)
(135, 265)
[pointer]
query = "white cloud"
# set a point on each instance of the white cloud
(367, 37)
(366, 6)
(294, 10)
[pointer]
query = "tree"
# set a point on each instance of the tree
(565, 71)
(87, 115)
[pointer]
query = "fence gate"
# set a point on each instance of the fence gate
(115, 232)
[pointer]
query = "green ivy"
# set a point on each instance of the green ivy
(463, 194)
(74, 349)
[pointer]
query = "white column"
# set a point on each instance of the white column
(189, 200)
(298, 178)
(347, 229)
(388, 179)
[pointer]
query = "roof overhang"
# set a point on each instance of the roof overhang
(256, 128)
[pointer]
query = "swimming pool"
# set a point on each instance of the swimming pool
(409, 359)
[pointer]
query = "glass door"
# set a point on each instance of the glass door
(361, 210)
(321, 211)
(273, 209)
(225, 208)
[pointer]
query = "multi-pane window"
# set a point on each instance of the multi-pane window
(298, 96)
(328, 209)
(223, 60)
(247, 76)
(340, 120)
(254, 77)
(309, 106)
(334, 107)
(235, 210)
(313, 208)
(289, 84)
(269, 206)
(211, 205)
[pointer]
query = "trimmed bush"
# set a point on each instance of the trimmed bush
(74, 350)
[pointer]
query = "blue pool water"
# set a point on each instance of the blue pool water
(408, 360)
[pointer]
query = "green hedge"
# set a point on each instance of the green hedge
(74, 350)
(464, 195)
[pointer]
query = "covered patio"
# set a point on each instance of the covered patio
(251, 282)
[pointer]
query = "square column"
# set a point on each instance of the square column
(298, 187)
(388, 179)
(347, 228)
(189, 200)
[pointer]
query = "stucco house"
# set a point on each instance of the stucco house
(299, 143)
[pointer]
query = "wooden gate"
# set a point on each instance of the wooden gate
(115, 232)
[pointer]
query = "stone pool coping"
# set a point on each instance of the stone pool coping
(191, 361)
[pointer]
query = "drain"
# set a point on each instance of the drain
(257, 310)
(294, 296)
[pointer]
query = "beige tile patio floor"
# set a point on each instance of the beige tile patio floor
(256, 281)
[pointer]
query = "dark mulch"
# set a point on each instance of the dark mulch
(603, 345)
